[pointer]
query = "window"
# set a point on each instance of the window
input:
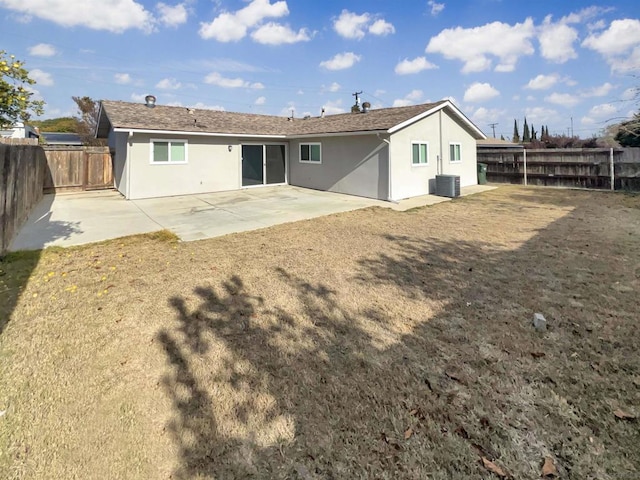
(420, 153)
(310, 153)
(168, 151)
(454, 152)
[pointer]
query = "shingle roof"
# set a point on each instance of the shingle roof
(137, 116)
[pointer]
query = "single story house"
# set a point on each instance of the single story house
(386, 154)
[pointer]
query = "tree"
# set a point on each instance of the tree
(534, 134)
(526, 134)
(629, 132)
(89, 110)
(60, 124)
(15, 96)
(502, 137)
(516, 135)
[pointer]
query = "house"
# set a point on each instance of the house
(19, 130)
(387, 154)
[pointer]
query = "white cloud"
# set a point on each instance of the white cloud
(168, 84)
(412, 98)
(216, 79)
(341, 61)
(42, 78)
(276, 34)
(556, 41)
(353, 26)
(42, 50)
(138, 97)
(564, 99)
(231, 27)
(114, 16)
(334, 87)
(381, 28)
(333, 107)
(475, 46)
(407, 67)
(542, 82)
(436, 7)
(480, 92)
(599, 91)
(540, 114)
(630, 93)
(600, 113)
(486, 115)
(122, 78)
(619, 44)
(172, 16)
(260, 101)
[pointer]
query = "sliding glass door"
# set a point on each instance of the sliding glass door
(263, 165)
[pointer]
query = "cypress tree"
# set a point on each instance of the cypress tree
(502, 137)
(516, 135)
(526, 134)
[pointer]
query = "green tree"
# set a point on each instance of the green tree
(526, 134)
(534, 134)
(516, 135)
(89, 110)
(629, 132)
(15, 96)
(60, 124)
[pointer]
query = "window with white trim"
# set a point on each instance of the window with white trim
(310, 153)
(419, 153)
(168, 151)
(454, 152)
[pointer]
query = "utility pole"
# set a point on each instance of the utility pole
(357, 95)
(493, 127)
(572, 127)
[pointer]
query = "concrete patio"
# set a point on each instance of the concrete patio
(79, 218)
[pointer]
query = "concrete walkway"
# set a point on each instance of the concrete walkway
(79, 218)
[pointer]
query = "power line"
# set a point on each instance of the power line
(493, 127)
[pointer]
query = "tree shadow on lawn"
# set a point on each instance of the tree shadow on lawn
(313, 388)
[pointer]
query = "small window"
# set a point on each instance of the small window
(420, 153)
(168, 151)
(310, 153)
(454, 152)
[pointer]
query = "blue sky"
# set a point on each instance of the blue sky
(551, 61)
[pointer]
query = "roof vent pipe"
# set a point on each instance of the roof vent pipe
(365, 107)
(150, 101)
(322, 113)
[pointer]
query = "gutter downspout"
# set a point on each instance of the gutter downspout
(128, 160)
(389, 184)
(441, 166)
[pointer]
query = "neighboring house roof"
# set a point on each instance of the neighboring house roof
(138, 117)
(61, 138)
(497, 143)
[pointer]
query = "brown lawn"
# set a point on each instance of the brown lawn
(371, 344)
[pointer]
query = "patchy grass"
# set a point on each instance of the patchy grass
(369, 344)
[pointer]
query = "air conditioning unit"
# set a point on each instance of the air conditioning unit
(448, 185)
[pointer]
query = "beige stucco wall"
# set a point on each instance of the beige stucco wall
(355, 165)
(117, 143)
(410, 180)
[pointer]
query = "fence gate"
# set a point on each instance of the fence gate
(78, 168)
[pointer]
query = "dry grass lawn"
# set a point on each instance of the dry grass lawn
(370, 344)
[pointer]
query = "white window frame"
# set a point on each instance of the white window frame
(459, 160)
(313, 162)
(152, 143)
(426, 160)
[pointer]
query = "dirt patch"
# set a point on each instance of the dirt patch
(369, 344)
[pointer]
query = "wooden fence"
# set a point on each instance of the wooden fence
(23, 169)
(78, 168)
(18, 141)
(583, 168)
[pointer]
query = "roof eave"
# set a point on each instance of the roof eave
(199, 134)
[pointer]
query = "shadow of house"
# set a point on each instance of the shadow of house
(322, 387)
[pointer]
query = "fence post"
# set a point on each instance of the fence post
(524, 152)
(612, 170)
